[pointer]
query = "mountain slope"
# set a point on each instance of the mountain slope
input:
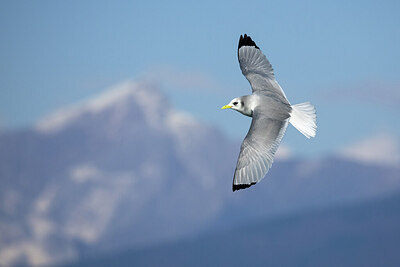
(366, 234)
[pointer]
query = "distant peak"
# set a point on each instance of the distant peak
(140, 93)
(379, 149)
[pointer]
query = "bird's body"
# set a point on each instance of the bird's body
(271, 113)
(269, 105)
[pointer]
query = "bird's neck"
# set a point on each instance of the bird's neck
(250, 102)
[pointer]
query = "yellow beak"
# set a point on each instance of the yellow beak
(226, 106)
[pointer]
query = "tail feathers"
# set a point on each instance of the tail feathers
(304, 119)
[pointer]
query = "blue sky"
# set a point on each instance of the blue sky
(342, 56)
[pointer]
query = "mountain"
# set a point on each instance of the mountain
(127, 170)
(106, 173)
(362, 234)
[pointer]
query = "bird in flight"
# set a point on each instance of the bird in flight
(271, 113)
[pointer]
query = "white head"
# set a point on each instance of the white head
(239, 104)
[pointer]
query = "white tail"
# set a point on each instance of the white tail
(304, 119)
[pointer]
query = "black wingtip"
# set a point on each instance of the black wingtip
(241, 186)
(246, 41)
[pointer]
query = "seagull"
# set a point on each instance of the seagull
(271, 113)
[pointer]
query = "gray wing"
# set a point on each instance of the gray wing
(258, 149)
(257, 69)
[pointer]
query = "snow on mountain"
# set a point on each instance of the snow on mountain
(381, 149)
(119, 98)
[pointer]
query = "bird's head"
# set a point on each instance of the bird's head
(238, 104)
(235, 104)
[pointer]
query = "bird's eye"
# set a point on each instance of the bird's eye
(235, 103)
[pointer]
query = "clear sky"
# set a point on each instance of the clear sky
(343, 56)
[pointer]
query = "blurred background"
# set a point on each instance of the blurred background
(114, 150)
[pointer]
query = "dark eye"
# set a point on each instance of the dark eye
(235, 103)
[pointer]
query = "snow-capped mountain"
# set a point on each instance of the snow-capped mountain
(126, 169)
(106, 173)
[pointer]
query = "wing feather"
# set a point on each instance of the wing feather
(258, 149)
(257, 69)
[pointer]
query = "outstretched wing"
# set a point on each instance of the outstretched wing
(257, 69)
(258, 149)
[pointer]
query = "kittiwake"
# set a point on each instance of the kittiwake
(271, 113)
